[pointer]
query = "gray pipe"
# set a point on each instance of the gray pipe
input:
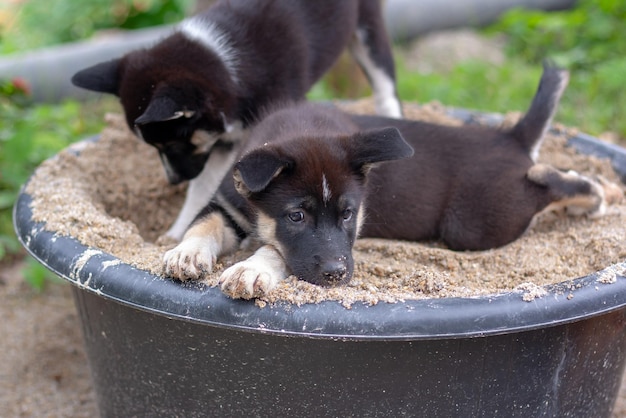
(407, 19)
(48, 70)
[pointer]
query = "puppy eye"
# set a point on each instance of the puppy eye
(296, 216)
(347, 214)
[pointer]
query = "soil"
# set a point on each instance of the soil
(44, 370)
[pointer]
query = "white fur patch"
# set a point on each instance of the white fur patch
(360, 218)
(191, 258)
(326, 192)
(383, 86)
(255, 276)
(208, 34)
(202, 189)
(169, 170)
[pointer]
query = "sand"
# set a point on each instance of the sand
(112, 195)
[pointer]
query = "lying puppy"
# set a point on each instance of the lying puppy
(192, 95)
(311, 186)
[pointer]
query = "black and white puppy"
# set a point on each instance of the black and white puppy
(192, 94)
(309, 184)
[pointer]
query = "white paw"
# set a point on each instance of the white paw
(255, 276)
(190, 259)
(388, 106)
(247, 280)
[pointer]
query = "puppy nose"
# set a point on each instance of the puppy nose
(334, 271)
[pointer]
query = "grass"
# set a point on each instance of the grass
(30, 133)
(592, 101)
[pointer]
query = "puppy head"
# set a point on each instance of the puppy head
(308, 194)
(175, 96)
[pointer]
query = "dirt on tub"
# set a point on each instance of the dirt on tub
(112, 195)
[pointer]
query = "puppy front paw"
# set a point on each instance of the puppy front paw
(190, 259)
(247, 280)
(255, 276)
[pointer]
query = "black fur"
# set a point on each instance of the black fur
(278, 48)
(309, 182)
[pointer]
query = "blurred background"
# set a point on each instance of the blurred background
(476, 54)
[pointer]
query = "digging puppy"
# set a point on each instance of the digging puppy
(312, 185)
(193, 94)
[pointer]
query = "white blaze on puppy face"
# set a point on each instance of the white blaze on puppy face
(326, 192)
(360, 218)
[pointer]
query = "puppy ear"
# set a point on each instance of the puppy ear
(103, 77)
(254, 172)
(377, 145)
(162, 109)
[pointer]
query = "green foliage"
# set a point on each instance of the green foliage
(472, 85)
(36, 275)
(29, 134)
(580, 38)
(36, 23)
(589, 41)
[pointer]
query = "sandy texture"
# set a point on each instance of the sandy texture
(112, 195)
(44, 371)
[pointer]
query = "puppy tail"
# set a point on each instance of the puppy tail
(531, 129)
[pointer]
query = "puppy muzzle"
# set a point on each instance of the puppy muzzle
(334, 272)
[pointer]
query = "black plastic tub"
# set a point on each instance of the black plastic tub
(160, 348)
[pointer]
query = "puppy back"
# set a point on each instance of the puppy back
(288, 120)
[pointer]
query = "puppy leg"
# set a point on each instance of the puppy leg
(372, 50)
(256, 275)
(195, 200)
(573, 192)
(207, 238)
(203, 188)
